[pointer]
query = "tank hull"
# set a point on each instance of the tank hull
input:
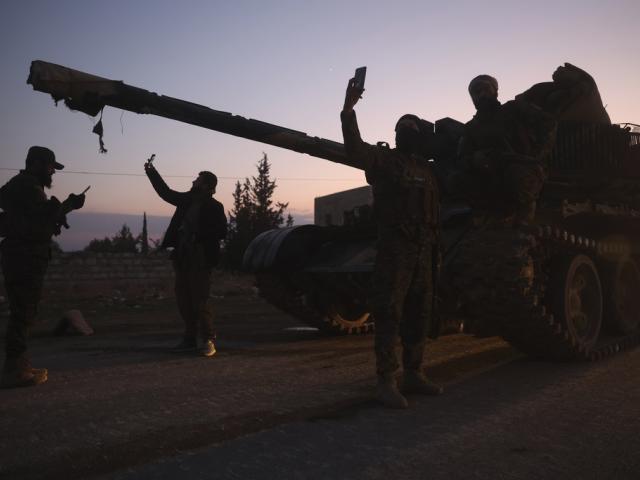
(535, 286)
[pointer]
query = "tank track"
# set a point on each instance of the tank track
(502, 275)
(281, 292)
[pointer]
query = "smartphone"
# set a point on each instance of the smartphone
(359, 77)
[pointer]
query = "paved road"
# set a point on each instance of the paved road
(525, 420)
(281, 402)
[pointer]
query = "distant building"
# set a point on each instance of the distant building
(341, 207)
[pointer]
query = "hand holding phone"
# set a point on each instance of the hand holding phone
(149, 163)
(74, 201)
(354, 89)
(359, 77)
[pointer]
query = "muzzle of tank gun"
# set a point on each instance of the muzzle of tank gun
(79, 91)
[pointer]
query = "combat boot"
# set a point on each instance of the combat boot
(19, 373)
(388, 394)
(414, 381)
(208, 349)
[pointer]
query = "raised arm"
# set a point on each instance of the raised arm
(161, 188)
(360, 153)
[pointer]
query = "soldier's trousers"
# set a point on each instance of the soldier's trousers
(192, 285)
(403, 300)
(23, 281)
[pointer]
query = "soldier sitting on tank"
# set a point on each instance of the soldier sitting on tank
(503, 153)
(406, 208)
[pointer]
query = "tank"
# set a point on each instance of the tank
(566, 287)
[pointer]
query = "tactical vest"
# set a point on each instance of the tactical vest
(406, 197)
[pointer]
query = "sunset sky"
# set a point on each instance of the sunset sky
(284, 62)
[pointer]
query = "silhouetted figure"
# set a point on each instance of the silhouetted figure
(406, 207)
(194, 233)
(504, 152)
(30, 219)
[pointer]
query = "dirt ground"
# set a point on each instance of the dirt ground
(119, 398)
(281, 400)
(110, 310)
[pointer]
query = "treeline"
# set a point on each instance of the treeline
(254, 211)
(124, 241)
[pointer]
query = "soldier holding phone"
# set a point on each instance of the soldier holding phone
(406, 207)
(194, 233)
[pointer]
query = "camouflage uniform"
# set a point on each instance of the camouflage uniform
(503, 153)
(30, 221)
(406, 206)
(194, 233)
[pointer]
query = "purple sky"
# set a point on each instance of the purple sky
(287, 63)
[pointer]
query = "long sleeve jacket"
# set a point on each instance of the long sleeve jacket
(30, 218)
(514, 131)
(211, 220)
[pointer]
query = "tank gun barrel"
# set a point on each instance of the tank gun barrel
(90, 94)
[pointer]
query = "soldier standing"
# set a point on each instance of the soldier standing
(29, 222)
(194, 233)
(504, 152)
(406, 207)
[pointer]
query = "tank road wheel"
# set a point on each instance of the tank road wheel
(329, 315)
(623, 297)
(347, 318)
(578, 299)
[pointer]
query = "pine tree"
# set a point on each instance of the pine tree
(124, 241)
(253, 212)
(144, 236)
(266, 216)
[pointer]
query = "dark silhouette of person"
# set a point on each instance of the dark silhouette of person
(406, 207)
(30, 219)
(194, 233)
(504, 152)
